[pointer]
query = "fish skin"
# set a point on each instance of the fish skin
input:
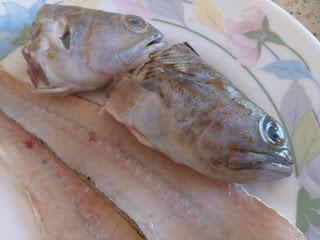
(168, 201)
(67, 54)
(64, 205)
(178, 104)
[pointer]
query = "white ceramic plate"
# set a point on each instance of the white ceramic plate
(261, 48)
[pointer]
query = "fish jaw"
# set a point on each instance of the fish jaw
(132, 58)
(263, 166)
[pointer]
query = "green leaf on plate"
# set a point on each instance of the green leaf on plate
(307, 210)
(306, 139)
(23, 38)
(259, 49)
(257, 34)
(265, 24)
(273, 37)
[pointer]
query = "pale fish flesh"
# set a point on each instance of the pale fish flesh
(65, 206)
(166, 200)
(76, 49)
(17, 219)
(181, 106)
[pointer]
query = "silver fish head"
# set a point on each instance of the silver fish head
(256, 147)
(77, 49)
(240, 142)
(180, 105)
(254, 144)
(235, 136)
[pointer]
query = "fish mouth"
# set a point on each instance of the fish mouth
(153, 43)
(268, 166)
(156, 38)
(143, 50)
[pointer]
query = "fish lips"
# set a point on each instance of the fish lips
(137, 55)
(262, 166)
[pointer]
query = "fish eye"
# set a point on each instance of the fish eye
(65, 39)
(272, 132)
(136, 22)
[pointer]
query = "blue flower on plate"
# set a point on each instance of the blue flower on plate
(15, 25)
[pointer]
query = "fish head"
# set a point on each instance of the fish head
(77, 49)
(138, 40)
(236, 139)
(251, 144)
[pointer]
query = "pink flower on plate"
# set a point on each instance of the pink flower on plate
(136, 7)
(245, 49)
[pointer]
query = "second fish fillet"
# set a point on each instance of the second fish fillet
(65, 206)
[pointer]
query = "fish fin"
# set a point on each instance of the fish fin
(57, 91)
(191, 48)
(122, 99)
(136, 107)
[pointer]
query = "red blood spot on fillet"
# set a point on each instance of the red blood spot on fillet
(92, 137)
(29, 143)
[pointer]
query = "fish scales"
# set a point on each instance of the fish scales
(178, 104)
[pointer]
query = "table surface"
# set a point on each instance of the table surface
(306, 11)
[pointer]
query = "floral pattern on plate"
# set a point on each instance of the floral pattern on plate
(15, 25)
(246, 38)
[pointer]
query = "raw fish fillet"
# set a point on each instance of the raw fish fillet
(65, 206)
(17, 218)
(166, 200)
